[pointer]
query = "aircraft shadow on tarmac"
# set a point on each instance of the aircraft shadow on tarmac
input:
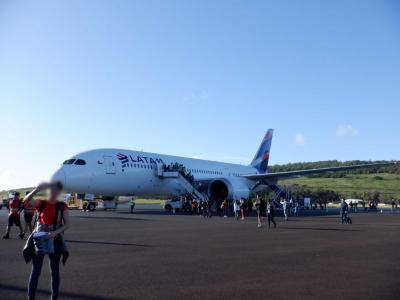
(107, 243)
(65, 295)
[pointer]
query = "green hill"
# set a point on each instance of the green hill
(352, 185)
(381, 183)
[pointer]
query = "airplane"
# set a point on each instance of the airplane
(119, 172)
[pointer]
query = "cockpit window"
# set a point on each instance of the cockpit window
(69, 162)
(80, 162)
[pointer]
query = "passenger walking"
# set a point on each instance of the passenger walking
(291, 207)
(271, 213)
(14, 208)
(132, 203)
(260, 206)
(249, 207)
(52, 221)
(285, 209)
(203, 208)
(29, 212)
(344, 209)
(236, 208)
(195, 207)
(225, 208)
(296, 208)
(209, 206)
(242, 208)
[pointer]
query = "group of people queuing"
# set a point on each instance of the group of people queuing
(320, 204)
(371, 205)
(203, 207)
(290, 207)
(240, 208)
(46, 221)
(208, 207)
(175, 167)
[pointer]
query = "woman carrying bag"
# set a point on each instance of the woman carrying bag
(47, 237)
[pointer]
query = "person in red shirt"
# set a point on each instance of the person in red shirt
(53, 219)
(14, 208)
(29, 212)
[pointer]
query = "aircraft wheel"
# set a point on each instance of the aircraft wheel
(168, 208)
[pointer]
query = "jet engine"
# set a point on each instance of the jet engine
(223, 188)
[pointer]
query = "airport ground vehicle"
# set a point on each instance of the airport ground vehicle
(106, 203)
(90, 202)
(85, 202)
(89, 205)
(175, 203)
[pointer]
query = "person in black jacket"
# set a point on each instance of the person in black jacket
(271, 213)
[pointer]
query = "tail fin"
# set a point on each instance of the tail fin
(260, 161)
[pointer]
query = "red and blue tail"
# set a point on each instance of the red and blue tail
(260, 161)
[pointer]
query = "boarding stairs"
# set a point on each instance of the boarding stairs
(180, 178)
(279, 192)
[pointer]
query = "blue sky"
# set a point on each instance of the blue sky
(197, 78)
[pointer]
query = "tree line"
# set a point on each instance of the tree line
(393, 169)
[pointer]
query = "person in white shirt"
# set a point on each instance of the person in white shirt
(236, 208)
(242, 208)
(285, 209)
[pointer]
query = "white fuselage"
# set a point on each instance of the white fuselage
(118, 172)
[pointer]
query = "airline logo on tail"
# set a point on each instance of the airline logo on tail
(260, 161)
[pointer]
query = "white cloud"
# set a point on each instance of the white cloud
(346, 130)
(299, 139)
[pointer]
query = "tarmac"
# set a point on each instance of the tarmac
(116, 255)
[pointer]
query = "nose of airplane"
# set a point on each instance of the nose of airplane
(59, 176)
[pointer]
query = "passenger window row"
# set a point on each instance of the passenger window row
(81, 162)
(205, 171)
(142, 166)
(149, 166)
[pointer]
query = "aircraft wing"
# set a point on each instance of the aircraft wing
(290, 174)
